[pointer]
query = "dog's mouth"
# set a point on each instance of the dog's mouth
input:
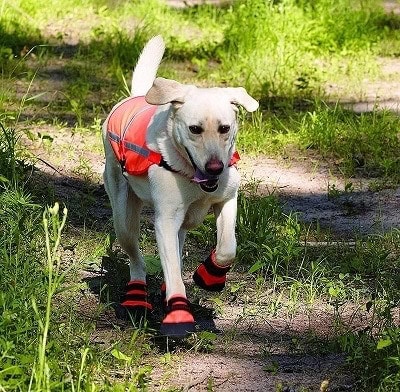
(209, 186)
(207, 182)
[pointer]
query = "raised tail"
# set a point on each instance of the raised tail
(146, 68)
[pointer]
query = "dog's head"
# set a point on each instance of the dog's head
(204, 124)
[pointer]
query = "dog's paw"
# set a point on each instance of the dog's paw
(179, 321)
(210, 276)
(135, 298)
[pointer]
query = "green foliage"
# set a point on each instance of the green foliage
(120, 49)
(12, 168)
(43, 345)
(20, 272)
(274, 46)
(319, 26)
(202, 341)
(270, 243)
(20, 268)
(268, 134)
(376, 358)
(268, 239)
(14, 37)
(367, 141)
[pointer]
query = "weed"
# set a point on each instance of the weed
(206, 232)
(268, 239)
(375, 357)
(334, 192)
(12, 168)
(202, 341)
(53, 226)
(84, 169)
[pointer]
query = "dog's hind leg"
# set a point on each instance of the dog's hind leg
(211, 274)
(126, 208)
(127, 226)
(126, 217)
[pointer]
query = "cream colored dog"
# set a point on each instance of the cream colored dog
(190, 148)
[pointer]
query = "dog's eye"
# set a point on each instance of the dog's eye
(224, 129)
(196, 129)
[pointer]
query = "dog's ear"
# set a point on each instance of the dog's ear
(239, 96)
(167, 91)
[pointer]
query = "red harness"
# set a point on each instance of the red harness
(127, 129)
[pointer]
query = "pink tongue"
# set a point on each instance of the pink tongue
(200, 177)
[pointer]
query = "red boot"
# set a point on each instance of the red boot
(136, 296)
(179, 321)
(209, 275)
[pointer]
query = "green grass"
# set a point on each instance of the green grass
(287, 68)
(284, 53)
(366, 274)
(44, 346)
(364, 144)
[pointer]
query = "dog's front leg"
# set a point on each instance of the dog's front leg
(167, 228)
(225, 251)
(211, 274)
(178, 320)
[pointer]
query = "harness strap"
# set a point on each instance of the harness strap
(152, 156)
(166, 166)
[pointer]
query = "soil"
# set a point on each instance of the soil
(253, 351)
(311, 190)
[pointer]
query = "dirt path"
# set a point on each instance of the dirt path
(304, 186)
(319, 196)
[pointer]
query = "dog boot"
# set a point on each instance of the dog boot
(135, 298)
(209, 275)
(179, 321)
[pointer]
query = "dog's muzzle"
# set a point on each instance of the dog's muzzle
(208, 182)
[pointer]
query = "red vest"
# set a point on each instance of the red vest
(126, 131)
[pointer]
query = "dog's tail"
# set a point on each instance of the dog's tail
(146, 68)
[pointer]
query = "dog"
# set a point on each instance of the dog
(182, 165)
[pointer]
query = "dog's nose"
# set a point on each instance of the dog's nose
(214, 166)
